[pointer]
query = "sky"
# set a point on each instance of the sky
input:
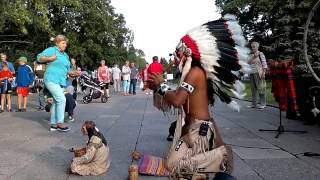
(158, 25)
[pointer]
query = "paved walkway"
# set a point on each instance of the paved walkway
(29, 151)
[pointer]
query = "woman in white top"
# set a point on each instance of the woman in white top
(126, 78)
(116, 75)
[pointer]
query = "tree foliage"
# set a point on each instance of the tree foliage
(278, 25)
(93, 28)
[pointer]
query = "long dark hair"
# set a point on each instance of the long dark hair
(92, 131)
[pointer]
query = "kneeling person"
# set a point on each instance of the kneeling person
(70, 102)
(206, 63)
(96, 160)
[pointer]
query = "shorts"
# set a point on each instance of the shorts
(5, 88)
(106, 86)
(24, 91)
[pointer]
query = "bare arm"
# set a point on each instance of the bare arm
(178, 97)
(99, 78)
(74, 73)
(45, 59)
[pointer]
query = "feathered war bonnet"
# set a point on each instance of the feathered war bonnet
(220, 48)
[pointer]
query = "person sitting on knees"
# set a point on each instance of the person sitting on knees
(96, 160)
(70, 102)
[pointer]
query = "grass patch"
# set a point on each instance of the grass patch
(269, 97)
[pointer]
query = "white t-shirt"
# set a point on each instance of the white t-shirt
(126, 73)
(116, 73)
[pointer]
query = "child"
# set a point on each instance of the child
(70, 102)
(39, 69)
(24, 79)
(6, 77)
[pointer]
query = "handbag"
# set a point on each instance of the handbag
(141, 86)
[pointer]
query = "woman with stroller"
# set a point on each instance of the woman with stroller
(58, 67)
(104, 77)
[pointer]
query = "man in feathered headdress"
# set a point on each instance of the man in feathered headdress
(208, 57)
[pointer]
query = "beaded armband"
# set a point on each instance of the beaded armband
(163, 89)
(187, 87)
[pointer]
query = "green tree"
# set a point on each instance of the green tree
(278, 26)
(94, 30)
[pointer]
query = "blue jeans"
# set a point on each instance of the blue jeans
(59, 103)
(41, 97)
(126, 84)
(133, 84)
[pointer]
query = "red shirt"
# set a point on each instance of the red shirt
(144, 74)
(6, 74)
(155, 67)
(103, 74)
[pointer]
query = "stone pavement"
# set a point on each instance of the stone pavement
(29, 151)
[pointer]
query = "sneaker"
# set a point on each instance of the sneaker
(252, 106)
(53, 128)
(70, 119)
(261, 107)
(63, 129)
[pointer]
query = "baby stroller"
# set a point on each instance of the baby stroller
(95, 89)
